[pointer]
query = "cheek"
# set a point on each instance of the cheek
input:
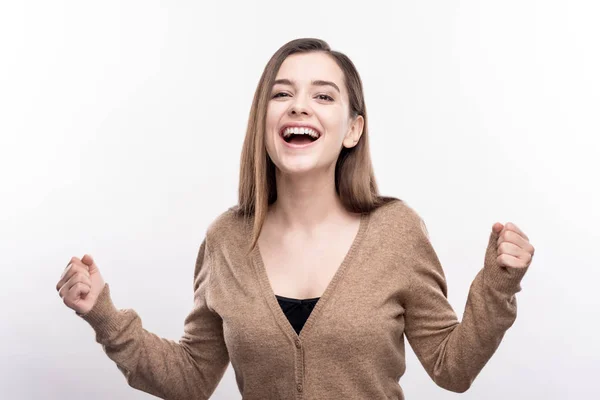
(269, 143)
(275, 111)
(334, 123)
(269, 140)
(275, 114)
(270, 122)
(337, 132)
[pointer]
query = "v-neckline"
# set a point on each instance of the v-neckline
(269, 293)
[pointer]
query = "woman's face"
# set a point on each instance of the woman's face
(309, 91)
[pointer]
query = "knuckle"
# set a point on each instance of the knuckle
(82, 272)
(66, 270)
(77, 270)
(502, 247)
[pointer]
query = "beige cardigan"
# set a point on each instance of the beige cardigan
(390, 284)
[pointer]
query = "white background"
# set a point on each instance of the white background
(121, 129)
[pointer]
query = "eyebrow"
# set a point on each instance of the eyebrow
(313, 83)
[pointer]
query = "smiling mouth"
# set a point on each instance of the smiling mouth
(299, 139)
(300, 136)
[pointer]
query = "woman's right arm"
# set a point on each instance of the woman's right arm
(188, 369)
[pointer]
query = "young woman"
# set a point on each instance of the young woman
(309, 285)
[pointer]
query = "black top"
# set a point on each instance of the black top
(297, 310)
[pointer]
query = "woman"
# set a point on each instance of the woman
(310, 283)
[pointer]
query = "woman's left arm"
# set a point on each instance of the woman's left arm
(452, 352)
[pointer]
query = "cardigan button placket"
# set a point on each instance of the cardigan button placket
(299, 368)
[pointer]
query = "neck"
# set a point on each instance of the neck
(306, 201)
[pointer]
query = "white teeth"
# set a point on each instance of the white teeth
(300, 131)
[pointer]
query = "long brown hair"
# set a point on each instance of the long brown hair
(354, 177)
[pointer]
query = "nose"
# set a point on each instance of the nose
(299, 107)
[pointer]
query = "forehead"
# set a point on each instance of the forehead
(306, 67)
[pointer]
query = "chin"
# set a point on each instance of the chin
(300, 167)
(297, 169)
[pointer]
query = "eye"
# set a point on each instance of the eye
(320, 96)
(327, 97)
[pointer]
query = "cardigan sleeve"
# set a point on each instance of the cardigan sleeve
(188, 369)
(452, 352)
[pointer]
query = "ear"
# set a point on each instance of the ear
(355, 132)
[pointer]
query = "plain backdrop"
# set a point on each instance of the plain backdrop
(121, 128)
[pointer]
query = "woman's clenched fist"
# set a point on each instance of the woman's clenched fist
(80, 284)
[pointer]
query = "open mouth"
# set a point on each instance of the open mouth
(300, 136)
